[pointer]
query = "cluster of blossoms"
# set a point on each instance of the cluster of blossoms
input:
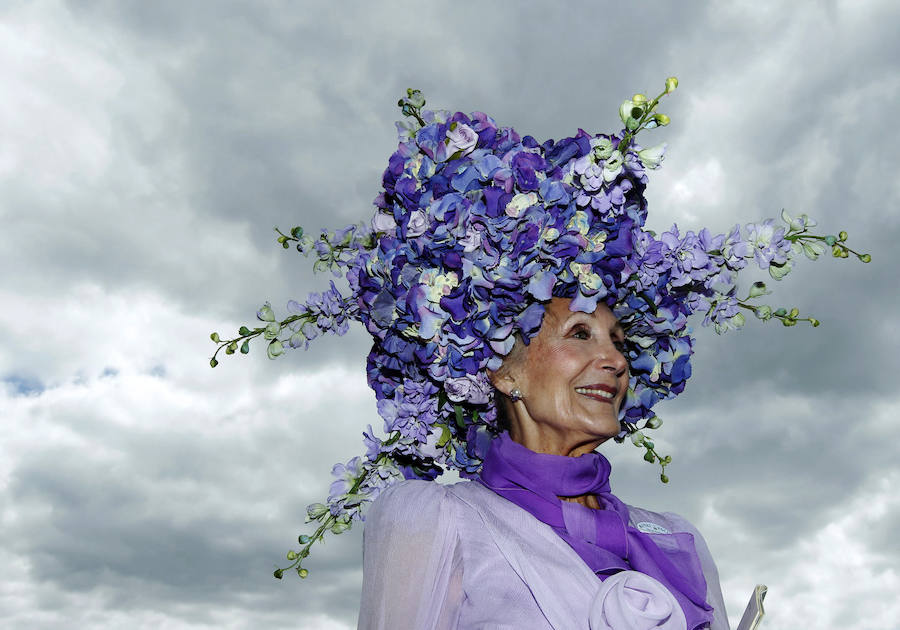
(476, 229)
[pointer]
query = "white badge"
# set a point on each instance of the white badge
(652, 528)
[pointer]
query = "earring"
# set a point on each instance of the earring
(515, 395)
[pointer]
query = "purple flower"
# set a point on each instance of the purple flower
(688, 256)
(768, 243)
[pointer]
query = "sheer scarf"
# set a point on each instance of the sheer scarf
(602, 538)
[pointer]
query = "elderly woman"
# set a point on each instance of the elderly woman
(527, 545)
(521, 316)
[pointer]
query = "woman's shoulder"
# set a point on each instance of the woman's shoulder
(407, 498)
(416, 503)
(411, 490)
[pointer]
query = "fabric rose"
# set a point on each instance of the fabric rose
(461, 138)
(473, 388)
(634, 601)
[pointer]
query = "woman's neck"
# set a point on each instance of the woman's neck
(587, 500)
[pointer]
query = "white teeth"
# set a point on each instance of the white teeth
(593, 392)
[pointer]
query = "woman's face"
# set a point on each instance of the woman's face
(573, 378)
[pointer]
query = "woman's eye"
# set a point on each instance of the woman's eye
(581, 333)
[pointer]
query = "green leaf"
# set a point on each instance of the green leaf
(445, 436)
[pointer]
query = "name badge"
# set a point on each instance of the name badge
(652, 528)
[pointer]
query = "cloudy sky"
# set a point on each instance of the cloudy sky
(148, 148)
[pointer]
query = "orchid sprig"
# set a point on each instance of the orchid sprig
(412, 104)
(330, 521)
(324, 312)
(333, 250)
(638, 438)
(637, 114)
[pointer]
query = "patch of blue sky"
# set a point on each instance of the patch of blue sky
(20, 385)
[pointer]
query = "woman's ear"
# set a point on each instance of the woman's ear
(502, 380)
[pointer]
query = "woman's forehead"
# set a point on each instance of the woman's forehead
(559, 311)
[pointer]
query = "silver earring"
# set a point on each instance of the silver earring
(515, 395)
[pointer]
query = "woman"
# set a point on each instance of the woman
(521, 315)
(505, 552)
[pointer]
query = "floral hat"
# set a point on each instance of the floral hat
(475, 230)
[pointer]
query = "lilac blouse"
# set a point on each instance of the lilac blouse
(461, 557)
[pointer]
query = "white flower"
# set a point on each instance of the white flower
(652, 157)
(418, 224)
(383, 222)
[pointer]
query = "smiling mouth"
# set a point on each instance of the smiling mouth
(598, 392)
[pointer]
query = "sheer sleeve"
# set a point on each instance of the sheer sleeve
(713, 588)
(412, 564)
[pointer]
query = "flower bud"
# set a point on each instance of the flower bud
(302, 573)
(303, 539)
(662, 119)
(648, 457)
(297, 232)
(815, 322)
(315, 511)
(845, 254)
(830, 240)
(213, 363)
(794, 312)
(842, 236)
(866, 258)
(671, 84)
(265, 313)
(638, 99)
(230, 348)
(292, 555)
(787, 321)
(243, 330)
(245, 347)
(279, 573)
(757, 289)
(637, 438)
(340, 527)
(654, 423)
(836, 251)
(780, 312)
(664, 478)
(763, 312)
(275, 349)
(215, 337)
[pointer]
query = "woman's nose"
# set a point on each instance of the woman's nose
(611, 359)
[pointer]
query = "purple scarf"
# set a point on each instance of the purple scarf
(603, 538)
